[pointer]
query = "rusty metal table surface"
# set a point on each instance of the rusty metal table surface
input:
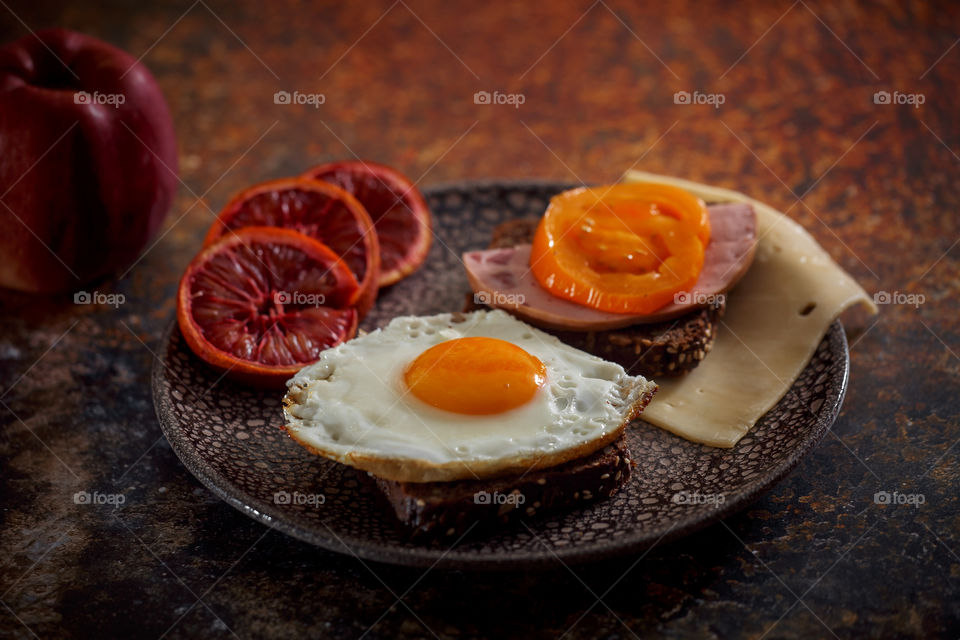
(786, 109)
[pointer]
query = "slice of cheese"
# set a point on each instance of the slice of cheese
(775, 319)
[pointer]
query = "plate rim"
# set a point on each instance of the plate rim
(426, 556)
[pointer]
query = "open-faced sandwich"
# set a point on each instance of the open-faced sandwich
(617, 285)
(635, 273)
(469, 418)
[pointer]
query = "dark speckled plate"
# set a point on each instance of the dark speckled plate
(230, 437)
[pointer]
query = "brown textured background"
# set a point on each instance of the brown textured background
(814, 558)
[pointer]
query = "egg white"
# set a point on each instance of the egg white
(353, 405)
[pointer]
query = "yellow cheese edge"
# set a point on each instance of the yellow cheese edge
(764, 341)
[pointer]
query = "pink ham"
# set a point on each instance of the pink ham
(502, 278)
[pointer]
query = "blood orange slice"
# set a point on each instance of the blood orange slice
(397, 208)
(320, 210)
(261, 303)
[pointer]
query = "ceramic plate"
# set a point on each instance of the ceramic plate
(230, 437)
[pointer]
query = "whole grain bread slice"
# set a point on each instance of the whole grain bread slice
(658, 350)
(444, 511)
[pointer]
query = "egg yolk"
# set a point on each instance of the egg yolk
(476, 376)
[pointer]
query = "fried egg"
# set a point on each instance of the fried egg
(456, 396)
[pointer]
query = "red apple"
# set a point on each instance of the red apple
(88, 160)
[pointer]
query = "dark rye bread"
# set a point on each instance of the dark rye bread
(513, 232)
(444, 511)
(658, 350)
(654, 351)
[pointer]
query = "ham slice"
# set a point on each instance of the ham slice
(502, 278)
